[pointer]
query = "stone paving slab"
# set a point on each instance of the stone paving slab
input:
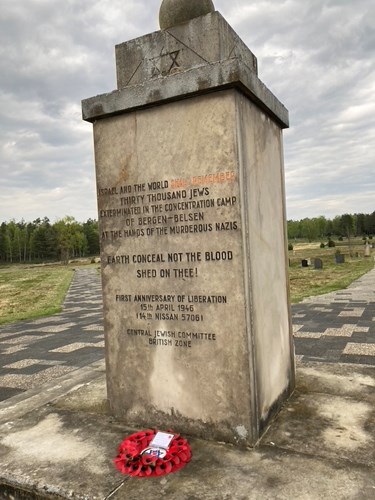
(338, 327)
(333, 408)
(60, 453)
(35, 352)
(48, 392)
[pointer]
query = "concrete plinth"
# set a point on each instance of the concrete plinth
(192, 218)
(321, 446)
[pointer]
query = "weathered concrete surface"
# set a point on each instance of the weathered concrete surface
(89, 398)
(50, 391)
(334, 410)
(319, 447)
(216, 76)
(266, 279)
(60, 452)
(221, 473)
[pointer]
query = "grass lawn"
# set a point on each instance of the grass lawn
(28, 292)
(305, 282)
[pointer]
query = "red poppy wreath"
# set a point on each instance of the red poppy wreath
(137, 457)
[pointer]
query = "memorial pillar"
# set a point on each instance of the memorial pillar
(191, 204)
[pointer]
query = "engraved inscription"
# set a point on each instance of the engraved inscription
(168, 210)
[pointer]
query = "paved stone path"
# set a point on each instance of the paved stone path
(336, 327)
(339, 326)
(34, 352)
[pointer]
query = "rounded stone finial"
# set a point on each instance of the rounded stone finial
(173, 12)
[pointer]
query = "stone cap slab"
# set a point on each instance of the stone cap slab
(200, 56)
(231, 73)
(203, 40)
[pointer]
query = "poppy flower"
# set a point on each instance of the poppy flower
(175, 460)
(148, 459)
(145, 471)
(164, 468)
(128, 468)
(135, 469)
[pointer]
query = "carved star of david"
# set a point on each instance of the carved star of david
(161, 64)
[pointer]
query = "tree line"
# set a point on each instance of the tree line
(41, 241)
(347, 225)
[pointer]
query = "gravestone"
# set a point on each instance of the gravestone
(339, 258)
(190, 180)
(318, 264)
(367, 250)
(304, 263)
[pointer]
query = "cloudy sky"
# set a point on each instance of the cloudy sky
(316, 56)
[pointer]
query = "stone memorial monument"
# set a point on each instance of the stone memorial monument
(190, 186)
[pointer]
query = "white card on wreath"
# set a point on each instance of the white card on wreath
(162, 440)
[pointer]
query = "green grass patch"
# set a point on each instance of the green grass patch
(32, 292)
(306, 282)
